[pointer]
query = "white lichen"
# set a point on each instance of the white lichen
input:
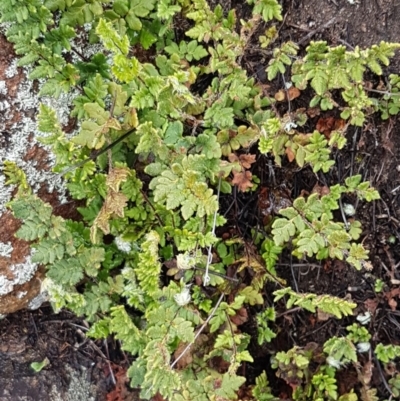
(3, 88)
(334, 362)
(185, 261)
(363, 347)
(364, 318)
(122, 245)
(6, 285)
(23, 272)
(349, 209)
(184, 297)
(6, 249)
(36, 303)
(12, 69)
(4, 105)
(23, 135)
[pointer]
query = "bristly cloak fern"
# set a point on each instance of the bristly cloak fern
(155, 192)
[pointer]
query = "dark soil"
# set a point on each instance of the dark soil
(78, 369)
(373, 151)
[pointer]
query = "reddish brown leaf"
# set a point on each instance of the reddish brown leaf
(371, 305)
(158, 397)
(290, 94)
(290, 154)
(247, 160)
(240, 317)
(326, 125)
(233, 158)
(321, 190)
(393, 304)
(313, 112)
(242, 180)
(293, 93)
(120, 392)
(186, 359)
(264, 203)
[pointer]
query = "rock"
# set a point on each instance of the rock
(20, 279)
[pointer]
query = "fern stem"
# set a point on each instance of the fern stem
(206, 277)
(199, 331)
(97, 154)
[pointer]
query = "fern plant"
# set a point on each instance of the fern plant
(328, 68)
(325, 303)
(149, 160)
(309, 223)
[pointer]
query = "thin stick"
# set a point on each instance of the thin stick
(206, 277)
(313, 32)
(381, 92)
(346, 224)
(97, 154)
(378, 365)
(199, 331)
(235, 280)
(345, 43)
(109, 363)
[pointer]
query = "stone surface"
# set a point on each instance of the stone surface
(20, 279)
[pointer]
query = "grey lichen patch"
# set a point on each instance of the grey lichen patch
(12, 69)
(61, 105)
(19, 107)
(21, 294)
(23, 272)
(6, 285)
(23, 135)
(37, 302)
(79, 387)
(6, 249)
(3, 88)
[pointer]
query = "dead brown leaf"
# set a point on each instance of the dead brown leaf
(371, 305)
(313, 112)
(393, 304)
(321, 190)
(240, 317)
(290, 94)
(325, 125)
(303, 139)
(242, 180)
(390, 295)
(233, 158)
(247, 160)
(290, 154)
(120, 392)
(367, 372)
(293, 93)
(187, 357)
(322, 316)
(280, 96)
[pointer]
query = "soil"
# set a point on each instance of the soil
(373, 151)
(77, 368)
